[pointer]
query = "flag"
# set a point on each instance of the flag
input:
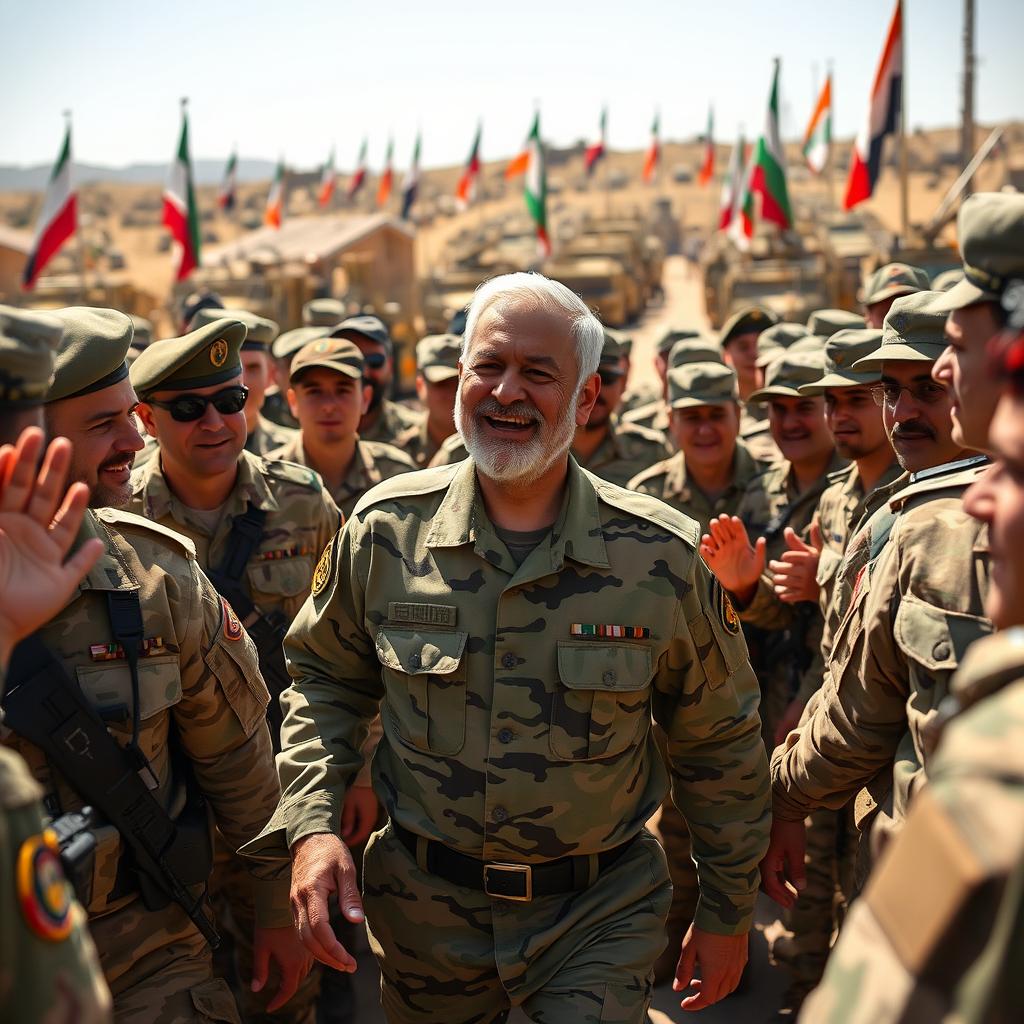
(275, 198)
(653, 150)
(883, 116)
(818, 138)
(328, 179)
(521, 161)
(767, 172)
(359, 174)
(181, 214)
(412, 181)
(227, 196)
(732, 185)
(535, 185)
(58, 219)
(741, 221)
(465, 191)
(387, 178)
(707, 170)
(595, 151)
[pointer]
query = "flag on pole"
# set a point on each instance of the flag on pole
(818, 138)
(387, 179)
(227, 196)
(275, 198)
(707, 170)
(328, 179)
(595, 151)
(181, 214)
(732, 185)
(653, 157)
(58, 218)
(412, 181)
(359, 174)
(883, 116)
(535, 185)
(767, 172)
(465, 191)
(741, 221)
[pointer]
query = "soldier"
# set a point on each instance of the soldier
(437, 371)
(649, 399)
(256, 526)
(887, 284)
(325, 312)
(327, 396)
(275, 406)
(824, 323)
(170, 706)
(515, 869)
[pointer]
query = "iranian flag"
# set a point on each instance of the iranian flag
(227, 196)
(411, 184)
(653, 156)
(387, 179)
(274, 212)
(707, 170)
(767, 175)
(741, 223)
(328, 179)
(596, 150)
(58, 219)
(465, 191)
(732, 186)
(883, 116)
(519, 164)
(818, 137)
(535, 186)
(359, 174)
(181, 214)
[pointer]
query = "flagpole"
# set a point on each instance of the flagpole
(78, 229)
(904, 170)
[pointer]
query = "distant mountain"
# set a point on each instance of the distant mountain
(207, 172)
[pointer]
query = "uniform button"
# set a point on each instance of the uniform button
(505, 736)
(609, 677)
(508, 660)
(500, 814)
(941, 650)
(415, 661)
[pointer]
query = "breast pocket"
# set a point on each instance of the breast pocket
(280, 580)
(602, 705)
(108, 686)
(425, 686)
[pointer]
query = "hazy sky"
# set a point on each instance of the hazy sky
(296, 77)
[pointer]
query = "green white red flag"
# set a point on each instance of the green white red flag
(535, 186)
(328, 179)
(595, 151)
(707, 169)
(228, 194)
(387, 179)
(653, 157)
(465, 191)
(181, 214)
(359, 174)
(767, 176)
(732, 186)
(274, 213)
(741, 224)
(58, 218)
(818, 137)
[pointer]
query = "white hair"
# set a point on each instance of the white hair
(551, 295)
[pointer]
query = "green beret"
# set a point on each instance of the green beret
(891, 280)
(842, 350)
(825, 322)
(785, 376)
(91, 355)
(672, 335)
(287, 344)
(776, 339)
(707, 383)
(337, 354)
(914, 331)
(694, 350)
(323, 313)
(752, 320)
(367, 326)
(260, 332)
(198, 359)
(27, 344)
(437, 357)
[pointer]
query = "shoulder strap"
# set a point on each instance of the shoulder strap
(246, 534)
(125, 611)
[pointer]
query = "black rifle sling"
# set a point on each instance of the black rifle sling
(246, 534)
(125, 612)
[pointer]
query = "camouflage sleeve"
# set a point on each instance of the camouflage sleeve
(706, 700)
(331, 521)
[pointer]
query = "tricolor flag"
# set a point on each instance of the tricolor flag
(818, 138)
(411, 184)
(595, 151)
(653, 156)
(521, 161)
(275, 198)
(741, 223)
(767, 173)
(181, 214)
(535, 185)
(227, 196)
(465, 191)
(707, 170)
(359, 174)
(328, 179)
(387, 179)
(58, 219)
(732, 185)
(883, 116)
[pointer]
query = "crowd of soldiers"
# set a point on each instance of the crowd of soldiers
(556, 673)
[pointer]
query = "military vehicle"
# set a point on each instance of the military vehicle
(602, 283)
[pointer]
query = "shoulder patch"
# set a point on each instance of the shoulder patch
(44, 894)
(232, 626)
(421, 481)
(723, 607)
(293, 473)
(322, 572)
(122, 520)
(646, 507)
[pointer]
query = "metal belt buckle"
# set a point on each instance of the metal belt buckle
(523, 870)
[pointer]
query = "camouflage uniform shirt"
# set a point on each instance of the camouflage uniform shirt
(626, 451)
(267, 436)
(393, 421)
(417, 443)
(453, 449)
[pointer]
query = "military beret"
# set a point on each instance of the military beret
(366, 326)
(913, 331)
(825, 322)
(287, 344)
(944, 281)
(990, 228)
(707, 383)
(323, 312)
(27, 344)
(776, 339)
(199, 359)
(785, 375)
(842, 350)
(259, 331)
(91, 354)
(672, 335)
(437, 357)
(891, 280)
(337, 354)
(752, 320)
(694, 350)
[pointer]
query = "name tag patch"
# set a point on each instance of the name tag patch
(422, 614)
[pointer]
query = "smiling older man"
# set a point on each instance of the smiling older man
(519, 621)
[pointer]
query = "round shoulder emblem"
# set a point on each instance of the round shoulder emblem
(43, 892)
(723, 607)
(322, 573)
(232, 627)
(219, 353)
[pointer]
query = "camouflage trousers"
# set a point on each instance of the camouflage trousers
(159, 968)
(456, 955)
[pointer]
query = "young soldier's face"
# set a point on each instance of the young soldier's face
(328, 404)
(706, 434)
(855, 422)
(798, 427)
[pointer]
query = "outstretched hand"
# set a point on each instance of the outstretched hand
(730, 556)
(795, 571)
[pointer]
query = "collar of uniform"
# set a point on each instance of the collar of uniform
(745, 468)
(251, 485)
(362, 472)
(109, 573)
(292, 451)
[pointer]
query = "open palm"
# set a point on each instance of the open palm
(730, 556)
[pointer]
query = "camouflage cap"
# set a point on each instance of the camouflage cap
(198, 359)
(893, 279)
(287, 344)
(337, 354)
(785, 375)
(366, 326)
(842, 350)
(672, 335)
(752, 320)
(91, 354)
(323, 312)
(774, 340)
(944, 281)
(825, 322)
(437, 357)
(990, 227)
(694, 350)
(259, 331)
(706, 383)
(27, 344)
(914, 331)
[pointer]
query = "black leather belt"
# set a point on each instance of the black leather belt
(518, 882)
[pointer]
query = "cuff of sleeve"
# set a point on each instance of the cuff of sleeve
(270, 897)
(301, 816)
(763, 603)
(723, 914)
(784, 806)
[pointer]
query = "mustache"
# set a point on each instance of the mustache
(492, 407)
(117, 459)
(912, 429)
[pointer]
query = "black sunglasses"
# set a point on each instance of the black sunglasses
(187, 408)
